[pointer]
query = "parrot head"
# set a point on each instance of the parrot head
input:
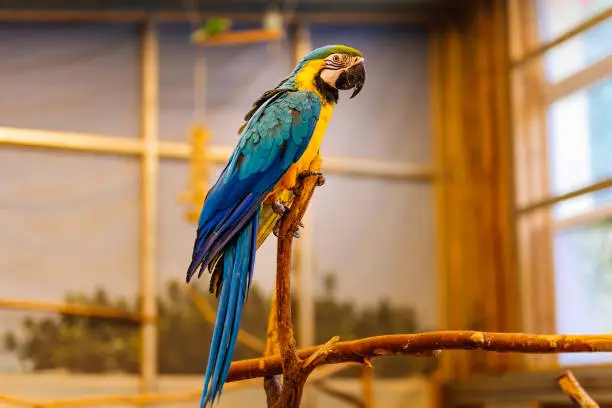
(333, 68)
(343, 67)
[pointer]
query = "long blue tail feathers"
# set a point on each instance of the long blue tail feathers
(238, 264)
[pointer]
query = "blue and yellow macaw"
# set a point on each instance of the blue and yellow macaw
(277, 145)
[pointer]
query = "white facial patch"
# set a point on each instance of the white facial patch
(330, 76)
(335, 65)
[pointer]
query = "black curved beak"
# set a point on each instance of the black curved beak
(352, 78)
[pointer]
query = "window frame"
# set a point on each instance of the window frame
(532, 96)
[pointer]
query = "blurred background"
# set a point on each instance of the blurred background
(469, 186)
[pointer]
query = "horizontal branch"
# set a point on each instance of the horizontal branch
(426, 344)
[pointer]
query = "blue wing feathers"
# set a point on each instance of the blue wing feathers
(237, 267)
(274, 138)
(259, 170)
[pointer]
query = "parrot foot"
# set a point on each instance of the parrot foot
(308, 173)
(297, 190)
(296, 233)
(279, 208)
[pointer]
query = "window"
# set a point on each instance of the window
(563, 138)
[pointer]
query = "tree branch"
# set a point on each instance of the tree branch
(570, 385)
(428, 344)
(272, 383)
(294, 371)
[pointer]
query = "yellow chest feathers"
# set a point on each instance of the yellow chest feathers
(305, 81)
(317, 137)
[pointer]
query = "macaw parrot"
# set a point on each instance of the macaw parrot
(278, 142)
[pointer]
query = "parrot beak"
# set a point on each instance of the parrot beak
(357, 72)
(352, 78)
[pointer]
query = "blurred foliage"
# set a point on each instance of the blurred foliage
(90, 344)
(365, 321)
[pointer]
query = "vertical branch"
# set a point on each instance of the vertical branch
(272, 384)
(294, 376)
(272, 333)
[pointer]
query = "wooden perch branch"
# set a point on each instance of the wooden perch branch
(272, 384)
(295, 371)
(428, 344)
(570, 385)
(297, 365)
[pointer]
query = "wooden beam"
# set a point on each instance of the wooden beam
(378, 168)
(416, 17)
(583, 220)
(71, 16)
(75, 309)
(550, 201)
(17, 402)
(148, 224)
(112, 400)
(70, 141)
(419, 16)
(168, 149)
(438, 99)
(354, 166)
(579, 81)
(568, 35)
(304, 268)
(182, 150)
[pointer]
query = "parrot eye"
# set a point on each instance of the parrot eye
(336, 58)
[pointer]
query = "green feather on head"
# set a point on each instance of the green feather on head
(326, 51)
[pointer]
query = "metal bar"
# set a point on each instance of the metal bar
(580, 80)
(418, 16)
(148, 226)
(550, 201)
(75, 309)
(568, 35)
(70, 141)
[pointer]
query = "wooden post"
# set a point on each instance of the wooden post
(304, 253)
(304, 267)
(148, 224)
